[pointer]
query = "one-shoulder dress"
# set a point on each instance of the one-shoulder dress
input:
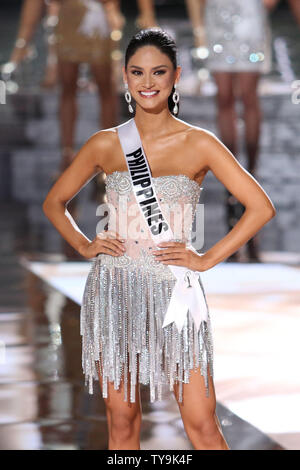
(126, 297)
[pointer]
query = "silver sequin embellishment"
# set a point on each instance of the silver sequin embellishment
(123, 307)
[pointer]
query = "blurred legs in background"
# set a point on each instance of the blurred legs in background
(68, 73)
(246, 84)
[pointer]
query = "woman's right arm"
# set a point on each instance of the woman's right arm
(85, 165)
(195, 10)
(31, 14)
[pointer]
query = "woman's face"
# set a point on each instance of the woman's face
(150, 75)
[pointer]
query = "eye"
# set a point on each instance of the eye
(160, 72)
(136, 72)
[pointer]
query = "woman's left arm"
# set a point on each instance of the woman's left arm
(259, 209)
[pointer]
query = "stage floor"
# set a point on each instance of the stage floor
(254, 310)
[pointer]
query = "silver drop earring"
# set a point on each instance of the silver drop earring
(175, 98)
(128, 98)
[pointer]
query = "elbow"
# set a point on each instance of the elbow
(49, 206)
(269, 212)
(46, 207)
(264, 213)
(272, 212)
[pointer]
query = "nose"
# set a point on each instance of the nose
(148, 81)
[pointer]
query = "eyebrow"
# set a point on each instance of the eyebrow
(154, 68)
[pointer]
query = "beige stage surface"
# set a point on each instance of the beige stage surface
(255, 314)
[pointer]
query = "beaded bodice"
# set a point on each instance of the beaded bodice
(178, 196)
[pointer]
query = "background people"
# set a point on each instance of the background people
(238, 37)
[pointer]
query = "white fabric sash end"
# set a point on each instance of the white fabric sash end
(187, 295)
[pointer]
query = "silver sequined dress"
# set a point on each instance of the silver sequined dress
(126, 298)
(238, 36)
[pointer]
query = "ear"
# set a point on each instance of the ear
(177, 74)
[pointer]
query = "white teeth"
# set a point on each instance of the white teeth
(148, 93)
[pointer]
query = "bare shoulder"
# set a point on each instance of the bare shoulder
(202, 138)
(105, 139)
(103, 145)
(198, 136)
(212, 150)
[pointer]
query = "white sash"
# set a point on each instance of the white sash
(188, 292)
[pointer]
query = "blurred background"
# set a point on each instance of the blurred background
(57, 89)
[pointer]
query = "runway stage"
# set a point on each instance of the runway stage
(254, 310)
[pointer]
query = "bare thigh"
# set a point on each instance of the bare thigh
(225, 82)
(103, 76)
(195, 405)
(68, 74)
(248, 83)
(115, 404)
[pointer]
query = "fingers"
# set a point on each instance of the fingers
(169, 251)
(176, 262)
(110, 242)
(171, 258)
(112, 247)
(172, 245)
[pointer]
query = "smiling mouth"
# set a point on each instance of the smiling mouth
(148, 94)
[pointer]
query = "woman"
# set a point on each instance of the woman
(238, 37)
(146, 19)
(129, 287)
(83, 36)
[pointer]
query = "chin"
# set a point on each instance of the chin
(151, 107)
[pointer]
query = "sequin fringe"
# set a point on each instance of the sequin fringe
(121, 317)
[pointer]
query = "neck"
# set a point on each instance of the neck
(152, 125)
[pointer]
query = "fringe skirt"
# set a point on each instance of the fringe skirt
(122, 313)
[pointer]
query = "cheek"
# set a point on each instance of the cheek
(132, 81)
(166, 82)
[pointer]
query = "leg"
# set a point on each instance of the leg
(68, 73)
(108, 101)
(252, 115)
(226, 118)
(198, 414)
(226, 114)
(123, 418)
(103, 75)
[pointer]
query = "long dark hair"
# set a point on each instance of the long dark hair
(157, 38)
